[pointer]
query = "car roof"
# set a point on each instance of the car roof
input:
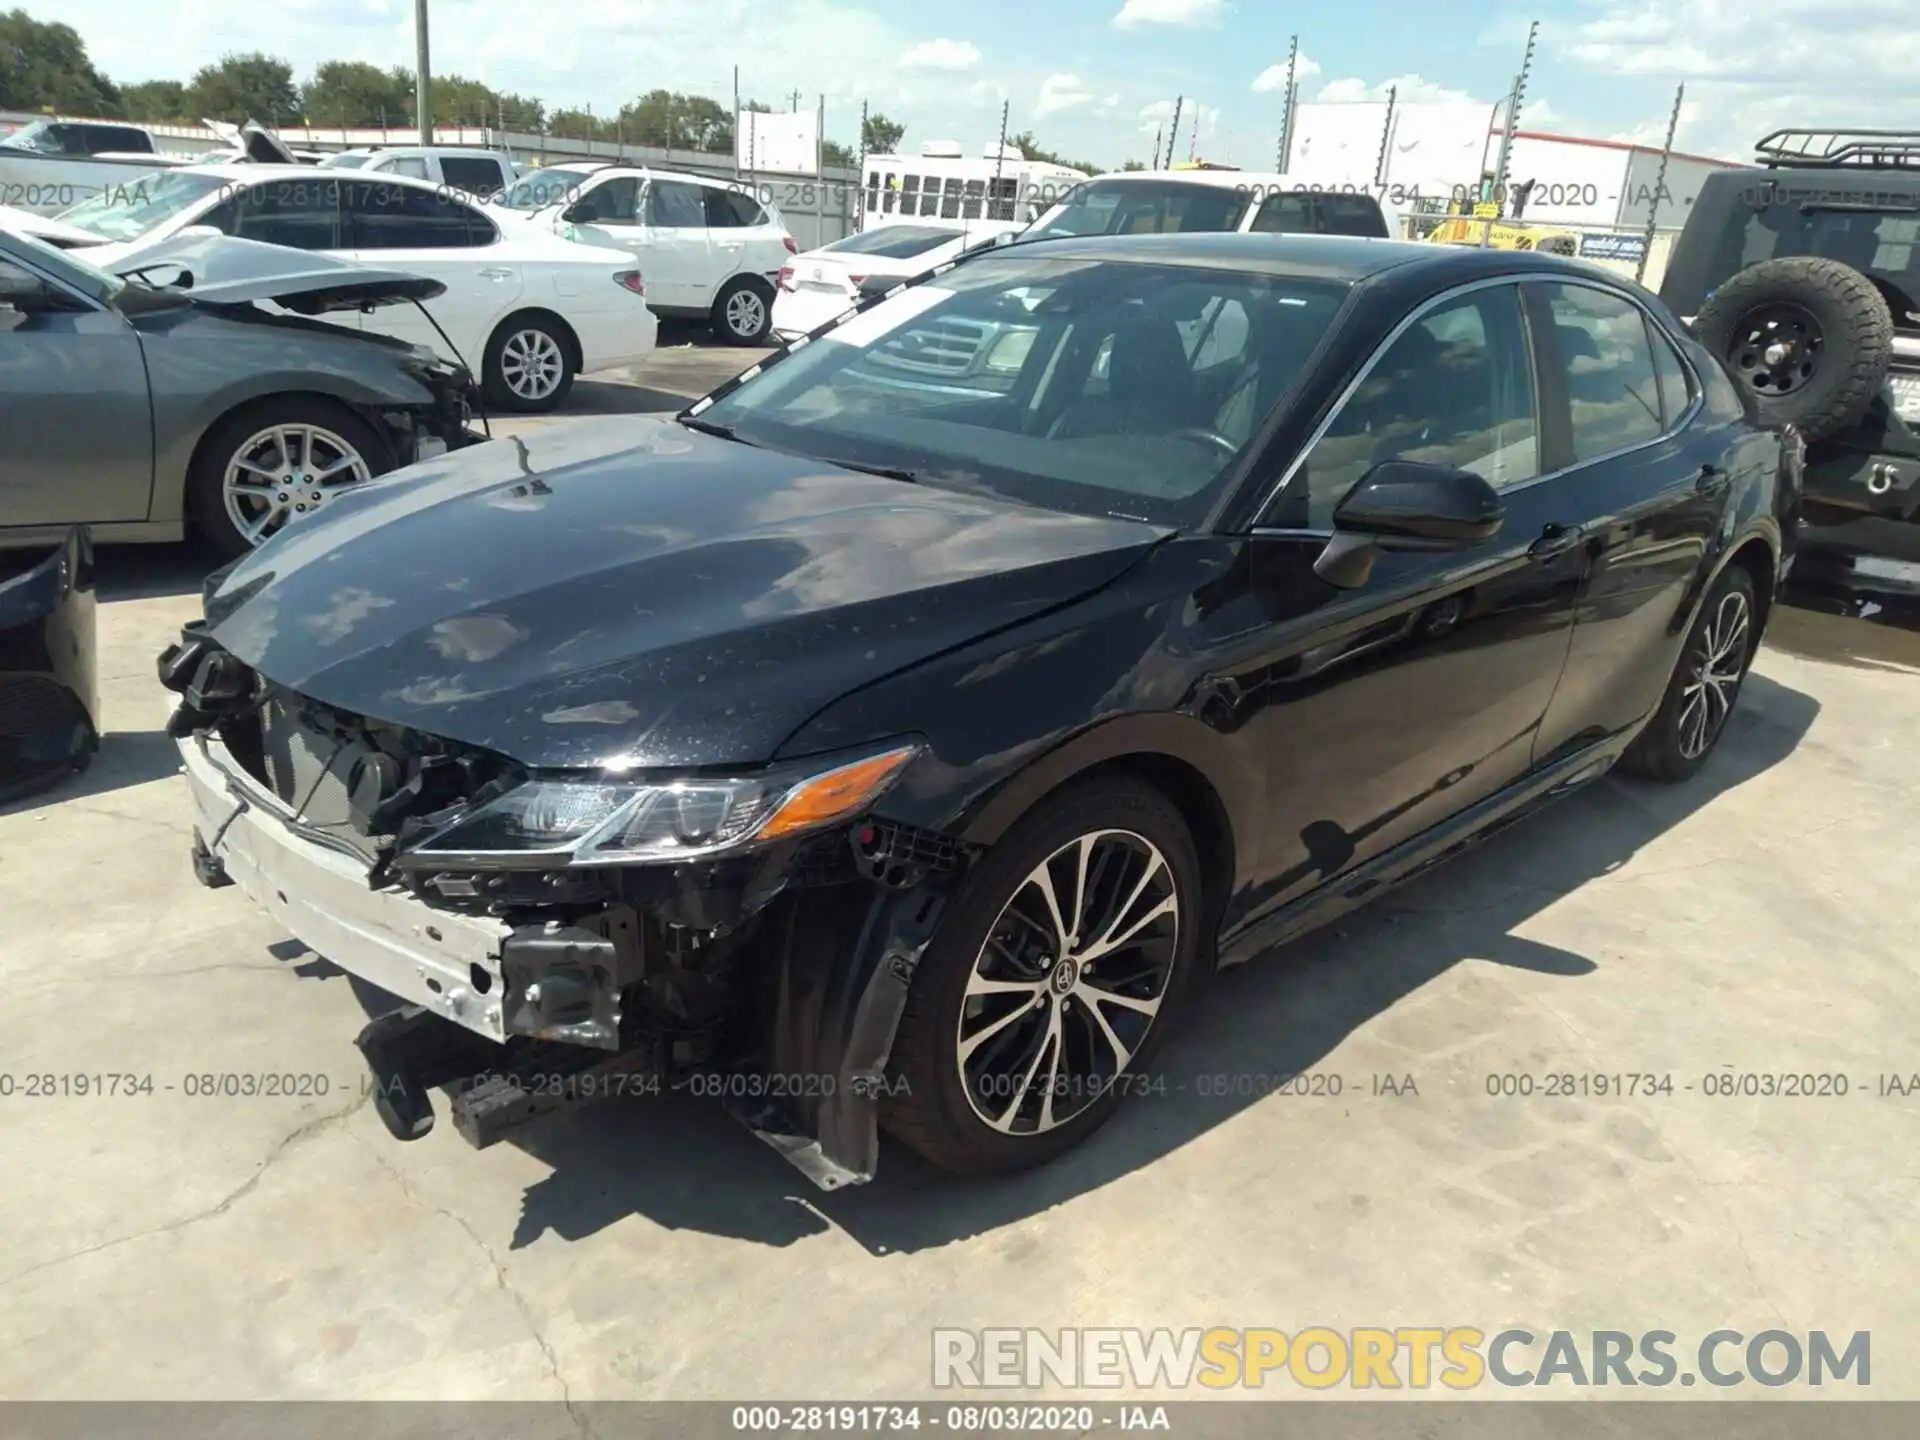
(1346, 258)
(631, 167)
(255, 171)
(1232, 179)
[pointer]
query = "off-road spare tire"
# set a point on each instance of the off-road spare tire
(1809, 338)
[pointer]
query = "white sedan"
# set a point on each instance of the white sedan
(815, 287)
(524, 309)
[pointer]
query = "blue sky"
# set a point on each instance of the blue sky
(1091, 77)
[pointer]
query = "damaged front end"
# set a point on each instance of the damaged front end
(49, 695)
(559, 937)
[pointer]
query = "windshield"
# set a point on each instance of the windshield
(35, 137)
(541, 188)
(893, 242)
(1879, 236)
(1143, 207)
(128, 211)
(1093, 386)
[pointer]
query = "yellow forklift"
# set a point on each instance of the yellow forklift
(1481, 222)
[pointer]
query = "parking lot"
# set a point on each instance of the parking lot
(1757, 921)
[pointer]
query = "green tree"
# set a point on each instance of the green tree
(832, 152)
(880, 136)
(1134, 165)
(158, 102)
(572, 125)
(355, 94)
(44, 66)
(671, 120)
(460, 101)
(239, 88)
(1033, 150)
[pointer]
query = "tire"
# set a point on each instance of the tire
(529, 365)
(1722, 641)
(331, 428)
(1837, 332)
(743, 312)
(1131, 834)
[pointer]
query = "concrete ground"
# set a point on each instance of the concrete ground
(173, 1246)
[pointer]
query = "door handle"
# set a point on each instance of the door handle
(495, 272)
(1713, 480)
(1556, 540)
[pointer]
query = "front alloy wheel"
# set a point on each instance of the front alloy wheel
(1068, 983)
(1063, 959)
(283, 471)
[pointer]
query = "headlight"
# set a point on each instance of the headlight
(613, 822)
(1906, 396)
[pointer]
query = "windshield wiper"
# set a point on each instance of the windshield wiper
(885, 472)
(710, 427)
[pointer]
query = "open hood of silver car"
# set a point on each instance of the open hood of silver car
(222, 270)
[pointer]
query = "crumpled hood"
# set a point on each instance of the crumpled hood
(627, 588)
(223, 270)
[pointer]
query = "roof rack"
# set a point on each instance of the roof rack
(1868, 149)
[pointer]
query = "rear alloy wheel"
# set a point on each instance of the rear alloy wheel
(1051, 983)
(273, 463)
(742, 314)
(529, 365)
(1705, 685)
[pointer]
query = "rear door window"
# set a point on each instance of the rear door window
(408, 217)
(1609, 367)
(675, 205)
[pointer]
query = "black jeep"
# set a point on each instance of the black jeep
(1804, 276)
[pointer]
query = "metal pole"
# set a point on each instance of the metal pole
(736, 124)
(1158, 132)
(1659, 185)
(1386, 138)
(999, 162)
(1174, 129)
(860, 174)
(422, 74)
(1281, 155)
(819, 142)
(1512, 125)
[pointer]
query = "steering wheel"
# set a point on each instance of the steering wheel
(1202, 432)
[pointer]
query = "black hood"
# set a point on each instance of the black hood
(629, 588)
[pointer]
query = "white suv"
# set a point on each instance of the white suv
(709, 249)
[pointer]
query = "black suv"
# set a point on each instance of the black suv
(1804, 277)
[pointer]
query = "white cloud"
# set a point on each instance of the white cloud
(1135, 13)
(942, 54)
(1063, 92)
(1748, 70)
(1406, 89)
(1273, 79)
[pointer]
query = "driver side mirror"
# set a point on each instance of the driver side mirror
(1407, 505)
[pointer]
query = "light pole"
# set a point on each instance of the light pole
(423, 74)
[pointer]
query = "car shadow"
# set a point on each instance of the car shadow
(125, 758)
(152, 572)
(681, 1163)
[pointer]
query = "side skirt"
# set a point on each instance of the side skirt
(1423, 851)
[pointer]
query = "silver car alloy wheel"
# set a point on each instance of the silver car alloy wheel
(1720, 660)
(284, 471)
(746, 313)
(531, 364)
(1068, 983)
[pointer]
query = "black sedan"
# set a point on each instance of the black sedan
(899, 736)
